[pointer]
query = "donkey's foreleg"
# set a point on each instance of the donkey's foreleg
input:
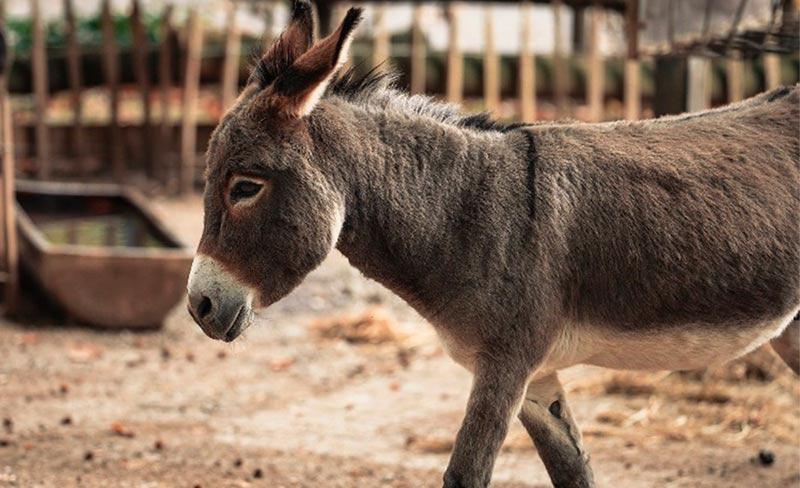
(496, 392)
(549, 422)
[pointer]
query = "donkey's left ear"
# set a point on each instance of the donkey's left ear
(297, 90)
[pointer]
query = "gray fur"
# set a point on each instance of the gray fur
(509, 239)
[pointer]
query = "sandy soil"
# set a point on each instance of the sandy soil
(301, 401)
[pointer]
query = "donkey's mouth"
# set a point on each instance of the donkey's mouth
(239, 324)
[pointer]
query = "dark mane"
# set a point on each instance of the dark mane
(377, 87)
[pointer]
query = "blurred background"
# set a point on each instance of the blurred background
(106, 109)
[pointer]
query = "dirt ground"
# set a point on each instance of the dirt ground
(342, 385)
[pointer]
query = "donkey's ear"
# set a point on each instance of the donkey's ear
(297, 90)
(296, 39)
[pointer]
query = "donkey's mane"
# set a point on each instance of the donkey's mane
(377, 89)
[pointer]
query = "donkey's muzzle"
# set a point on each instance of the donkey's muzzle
(219, 304)
(218, 322)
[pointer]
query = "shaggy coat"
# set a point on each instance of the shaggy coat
(664, 244)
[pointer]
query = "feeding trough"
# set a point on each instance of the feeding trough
(100, 253)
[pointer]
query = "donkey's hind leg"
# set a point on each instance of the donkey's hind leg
(787, 345)
(549, 422)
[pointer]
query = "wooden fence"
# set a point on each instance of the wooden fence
(179, 172)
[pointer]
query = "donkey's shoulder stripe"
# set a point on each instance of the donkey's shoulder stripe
(532, 157)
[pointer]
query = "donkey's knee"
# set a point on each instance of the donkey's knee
(548, 420)
(787, 345)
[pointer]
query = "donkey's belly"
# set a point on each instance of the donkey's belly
(677, 347)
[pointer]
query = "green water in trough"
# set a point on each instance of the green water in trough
(109, 230)
(91, 221)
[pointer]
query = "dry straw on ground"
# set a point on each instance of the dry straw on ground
(372, 326)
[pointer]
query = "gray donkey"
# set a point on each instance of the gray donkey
(666, 244)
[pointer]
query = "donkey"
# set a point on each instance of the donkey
(666, 244)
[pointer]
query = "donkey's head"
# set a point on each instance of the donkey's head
(271, 215)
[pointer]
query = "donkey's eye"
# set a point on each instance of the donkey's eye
(244, 189)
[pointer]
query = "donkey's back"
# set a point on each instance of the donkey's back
(679, 232)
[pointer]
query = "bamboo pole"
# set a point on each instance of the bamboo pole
(8, 205)
(111, 67)
(140, 52)
(633, 89)
(417, 52)
(40, 95)
(230, 67)
(76, 86)
(455, 61)
(165, 63)
(595, 82)
(559, 63)
(381, 42)
(527, 68)
(491, 64)
(194, 45)
(734, 71)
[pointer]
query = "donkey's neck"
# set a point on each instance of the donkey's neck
(422, 197)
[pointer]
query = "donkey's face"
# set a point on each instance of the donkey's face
(271, 215)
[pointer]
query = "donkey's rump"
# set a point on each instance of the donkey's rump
(682, 220)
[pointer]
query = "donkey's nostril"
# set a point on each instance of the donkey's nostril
(204, 308)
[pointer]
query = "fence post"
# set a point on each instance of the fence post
(194, 45)
(560, 78)
(140, 52)
(491, 64)
(527, 68)
(697, 83)
(417, 84)
(75, 85)
(269, 22)
(230, 67)
(111, 65)
(455, 62)
(595, 72)
(39, 72)
(381, 42)
(633, 95)
(8, 203)
(734, 71)
(165, 62)
(772, 71)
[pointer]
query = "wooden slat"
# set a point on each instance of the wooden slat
(595, 70)
(9, 214)
(381, 42)
(191, 87)
(417, 52)
(734, 72)
(697, 84)
(455, 61)
(632, 82)
(491, 64)
(269, 21)
(76, 87)
(772, 71)
(230, 66)
(560, 80)
(111, 68)
(165, 72)
(8, 205)
(527, 68)
(40, 92)
(140, 53)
